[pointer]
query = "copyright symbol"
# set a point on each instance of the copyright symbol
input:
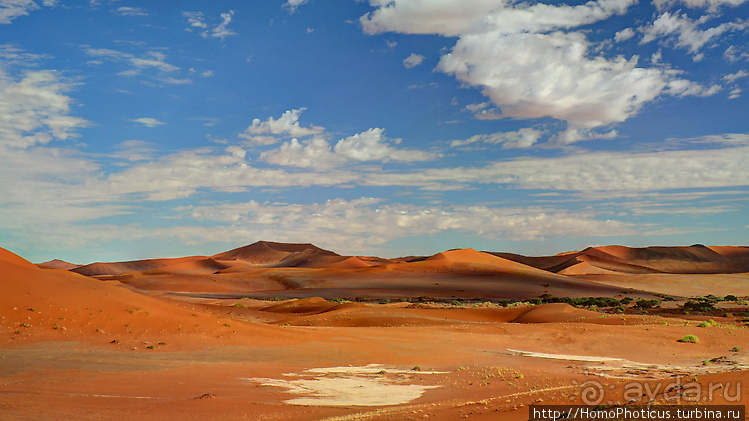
(591, 392)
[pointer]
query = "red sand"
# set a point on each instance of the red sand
(137, 346)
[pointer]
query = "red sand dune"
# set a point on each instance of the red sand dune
(693, 259)
(272, 254)
(58, 264)
(76, 347)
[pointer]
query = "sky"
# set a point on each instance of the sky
(140, 129)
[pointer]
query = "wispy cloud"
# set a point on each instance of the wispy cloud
(148, 121)
(131, 11)
(12, 9)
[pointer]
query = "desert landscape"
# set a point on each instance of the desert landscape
(279, 331)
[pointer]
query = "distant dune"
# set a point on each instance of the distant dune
(271, 254)
(695, 259)
(58, 264)
(118, 268)
(299, 270)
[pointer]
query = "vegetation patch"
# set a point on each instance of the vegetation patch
(690, 339)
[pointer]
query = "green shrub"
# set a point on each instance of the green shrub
(699, 305)
(691, 339)
(646, 304)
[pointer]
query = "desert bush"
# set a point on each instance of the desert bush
(691, 339)
(698, 305)
(646, 304)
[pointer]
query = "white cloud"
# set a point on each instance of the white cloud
(449, 18)
(730, 78)
(150, 60)
(221, 30)
(148, 121)
(314, 153)
(537, 75)
(522, 138)
(615, 172)
(197, 20)
(292, 5)
(413, 60)
(180, 175)
(541, 17)
(358, 223)
(370, 145)
(207, 73)
(624, 35)
(711, 5)
(527, 67)
(131, 11)
(686, 32)
(34, 110)
(12, 9)
(734, 93)
(286, 125)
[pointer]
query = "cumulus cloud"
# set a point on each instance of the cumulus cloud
(413, 60)
(522, 138)
(148, 121)
(528, 66)
(370, 145)
(266, 132)
(35, 109)
(537, 75)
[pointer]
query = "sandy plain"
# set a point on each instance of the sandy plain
(275, 331)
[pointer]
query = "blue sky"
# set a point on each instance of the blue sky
(136, 129)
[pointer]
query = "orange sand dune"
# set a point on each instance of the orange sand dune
(468, 260)
(118, 268)
(336, 262)
(585, 268)
(191, 266)
(52, 304)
